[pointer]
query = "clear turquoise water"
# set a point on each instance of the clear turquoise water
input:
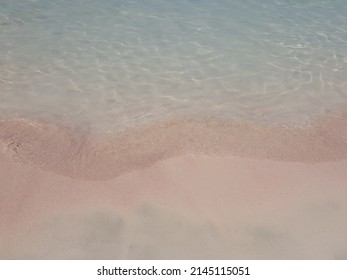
(118, 63)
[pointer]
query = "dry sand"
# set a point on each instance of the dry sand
(180, 189)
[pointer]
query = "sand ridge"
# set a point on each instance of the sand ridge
(79, 153)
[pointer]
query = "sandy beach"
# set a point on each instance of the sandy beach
(174, 190)
(173, 129)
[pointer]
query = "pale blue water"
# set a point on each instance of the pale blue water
(116, 63)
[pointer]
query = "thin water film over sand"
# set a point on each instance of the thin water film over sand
(173, 130)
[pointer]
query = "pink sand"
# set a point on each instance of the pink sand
(66, 195)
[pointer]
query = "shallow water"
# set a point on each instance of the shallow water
(119, 63)
(173, 129)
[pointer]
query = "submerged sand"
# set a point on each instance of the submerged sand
(178, 189)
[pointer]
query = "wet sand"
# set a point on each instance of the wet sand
(179, 189)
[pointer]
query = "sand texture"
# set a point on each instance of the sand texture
(178, 189)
